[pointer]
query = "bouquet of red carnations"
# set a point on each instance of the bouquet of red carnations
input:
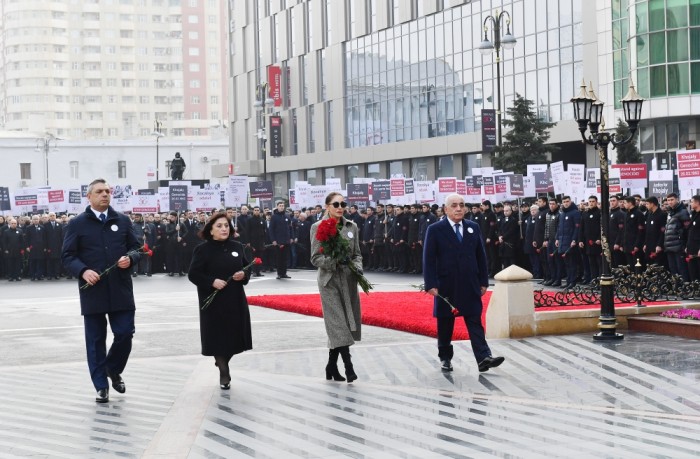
(337, 247)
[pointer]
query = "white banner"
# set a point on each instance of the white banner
(577, 182)
(164, 199)
(236, 190)
(302, 194)
(559, 177)
(205, 200)
(666, 175)
(144, 203)
(57, 200)
(75, 204)
(529, 186)
(333, 184)
(532, 168)
(122, 204)
(425, 191)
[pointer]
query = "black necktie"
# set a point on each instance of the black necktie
(103, 218)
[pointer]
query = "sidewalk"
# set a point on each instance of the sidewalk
(555, 396)
(561, 396)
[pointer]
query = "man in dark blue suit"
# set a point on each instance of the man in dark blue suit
(455, 269)
(95, 240)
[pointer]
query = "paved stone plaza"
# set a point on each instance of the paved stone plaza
(563, 396)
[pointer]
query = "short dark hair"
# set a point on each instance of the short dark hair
(630, 199)
(654, 200)
(173, 213)
(205, 233)
(594, 197)
(672, 195)
(696, 198)
(566, 197)
(553, 200)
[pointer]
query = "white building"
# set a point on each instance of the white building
(93, 69)
(31, 162)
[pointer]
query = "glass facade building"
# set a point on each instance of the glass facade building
(426, 78)
(375, 89)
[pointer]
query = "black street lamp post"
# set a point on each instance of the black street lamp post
(157, 132)
(588, 112)
(508, 41)
(262, 101)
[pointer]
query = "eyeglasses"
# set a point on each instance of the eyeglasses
(339, 204)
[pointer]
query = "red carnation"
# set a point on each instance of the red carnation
(652, 255)
(320, 250)
(257, 261)
(687, 259)
(590, 242)
(455, 312)
(149, 253)
(146, 248)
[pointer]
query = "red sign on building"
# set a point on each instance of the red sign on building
(274, 80)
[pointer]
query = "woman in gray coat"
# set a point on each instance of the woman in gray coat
(338, 288)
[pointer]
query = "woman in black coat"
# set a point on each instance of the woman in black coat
(217, 265)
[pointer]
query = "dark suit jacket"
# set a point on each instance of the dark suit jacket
(90, 244)
(457, 270)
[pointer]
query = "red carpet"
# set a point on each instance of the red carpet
(406, 311)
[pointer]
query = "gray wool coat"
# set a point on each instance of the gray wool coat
(340, 299)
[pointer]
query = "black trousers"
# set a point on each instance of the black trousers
(377, 256)
(417, 257)
(36, 268)
(477, 336)
(281, 259)
(53, 267)
(596, 264)
(14, 267)
(173, 258)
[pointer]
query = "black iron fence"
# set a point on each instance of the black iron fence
(655, 283)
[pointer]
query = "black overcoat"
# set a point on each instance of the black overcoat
(54, 239)
(224, 325)
(35, 238)
(90, 244)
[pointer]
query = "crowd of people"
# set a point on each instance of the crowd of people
(558, 240)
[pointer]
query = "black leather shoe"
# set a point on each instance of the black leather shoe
(555, 284)
(446, 365)
(490, 362)
(548, 282)
(117, 383)
(102, 395)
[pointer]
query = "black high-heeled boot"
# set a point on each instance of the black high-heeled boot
(349, 370)
(332, 366)
(224, 373)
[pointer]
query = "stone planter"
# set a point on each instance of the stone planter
(684, 328)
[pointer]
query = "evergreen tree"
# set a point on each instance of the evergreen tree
(628, 153)
(524, 143)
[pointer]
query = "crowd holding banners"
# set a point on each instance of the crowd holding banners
(394, 211)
